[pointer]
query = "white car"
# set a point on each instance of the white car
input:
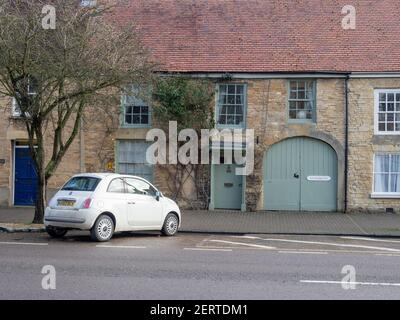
(105, 203)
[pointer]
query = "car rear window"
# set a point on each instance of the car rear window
(81, 184)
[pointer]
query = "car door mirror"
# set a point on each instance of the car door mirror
(158, 195)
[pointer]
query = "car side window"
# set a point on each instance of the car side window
(137, 186)
(116, 186)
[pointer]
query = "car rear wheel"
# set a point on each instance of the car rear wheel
(103, 229)
(56, 232)
(171, 223)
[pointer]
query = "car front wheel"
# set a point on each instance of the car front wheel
(171, 223)
(56, 232)
(103, 229)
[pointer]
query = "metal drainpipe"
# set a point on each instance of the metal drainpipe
(346, 143)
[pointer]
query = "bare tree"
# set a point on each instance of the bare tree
(55, 73)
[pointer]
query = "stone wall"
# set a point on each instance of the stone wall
(267, 114)
(5, 153)
(363, 143)
(91, 151)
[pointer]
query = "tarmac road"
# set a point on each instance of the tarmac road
(192, 266)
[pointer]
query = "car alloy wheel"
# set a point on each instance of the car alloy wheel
(171, 225)
(105, 228)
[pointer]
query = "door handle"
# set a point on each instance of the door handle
(296, 175)
(131, 202)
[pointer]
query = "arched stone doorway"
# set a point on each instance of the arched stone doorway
(300, 174)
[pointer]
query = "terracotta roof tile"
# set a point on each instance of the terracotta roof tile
(267, 35)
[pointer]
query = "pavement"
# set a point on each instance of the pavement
(136, 265)
(235, 222)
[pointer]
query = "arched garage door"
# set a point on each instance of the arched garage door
(300, 174)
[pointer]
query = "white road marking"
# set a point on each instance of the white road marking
(119, 247)
(244, 244)
(207, 249)
(370, 239)
(387, 255)
(304, 252)
(26, 243)
(349, 283)
(315, 250)
(324, 243)
(356, 224)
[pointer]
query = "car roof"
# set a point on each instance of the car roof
(94, 174)
(103, 175)
(110, 176)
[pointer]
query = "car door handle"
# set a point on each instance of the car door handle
(131, 202)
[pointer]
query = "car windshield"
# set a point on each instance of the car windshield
(81, 184)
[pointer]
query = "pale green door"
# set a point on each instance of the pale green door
(300, 174)
(227, 187)
(281, 187)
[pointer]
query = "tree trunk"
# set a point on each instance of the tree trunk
(41, 174)
(41, 199)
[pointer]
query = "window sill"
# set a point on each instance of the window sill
(385, 195)
(293, 121)
(135, 126)
(387, 134)
(14, 117)
(227, 126)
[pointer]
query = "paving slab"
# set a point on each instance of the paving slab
(236, 222)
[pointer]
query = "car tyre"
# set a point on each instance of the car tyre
(103, 229)
(171, 224)
(56, 232)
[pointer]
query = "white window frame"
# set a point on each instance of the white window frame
(134, 102)
(15, 110)
(218, 106)
(313, 101)
(377, 92)
(119, 162)
(88, 3)
(387, 195)
(132, 114)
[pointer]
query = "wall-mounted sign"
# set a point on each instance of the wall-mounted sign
(110, 165)
(2, 161)
(319, 178)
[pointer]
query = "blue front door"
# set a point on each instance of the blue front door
(25, 185)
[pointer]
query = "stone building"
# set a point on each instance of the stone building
(323, 100)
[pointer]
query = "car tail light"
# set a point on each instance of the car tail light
(86, 204)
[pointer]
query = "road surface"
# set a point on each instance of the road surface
(193, 266)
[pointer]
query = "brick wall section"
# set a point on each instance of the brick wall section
(363, 144)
